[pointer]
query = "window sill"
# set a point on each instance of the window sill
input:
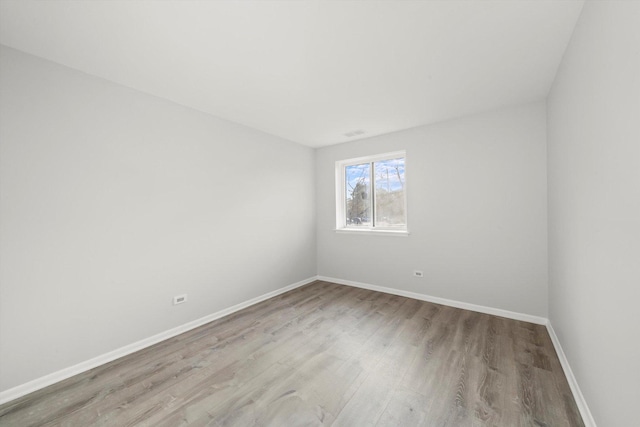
(397, 233)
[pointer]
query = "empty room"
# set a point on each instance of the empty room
(319, 213)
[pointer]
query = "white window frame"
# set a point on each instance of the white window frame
(341, 196)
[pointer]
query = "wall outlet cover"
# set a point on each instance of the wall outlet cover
(179, 299)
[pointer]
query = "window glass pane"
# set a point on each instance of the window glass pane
(358, 208)
(389, 193)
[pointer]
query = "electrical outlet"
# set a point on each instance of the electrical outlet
(417, 273)
(179, 299)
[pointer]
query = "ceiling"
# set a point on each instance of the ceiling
(309, 71)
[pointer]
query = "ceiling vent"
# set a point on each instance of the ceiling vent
(354, 133)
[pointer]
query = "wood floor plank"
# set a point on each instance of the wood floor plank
(321, 355)
(372, 396)
(405, 408)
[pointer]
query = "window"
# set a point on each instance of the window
(371, 193)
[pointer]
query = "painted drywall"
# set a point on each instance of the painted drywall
(594, 208)
(476, 195)
(113, 201)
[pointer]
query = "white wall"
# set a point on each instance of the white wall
(594, 208)
(476, 208)
(113, 201)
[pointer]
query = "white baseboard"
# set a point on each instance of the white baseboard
(587, 418)
(63, 374)
(451, 303)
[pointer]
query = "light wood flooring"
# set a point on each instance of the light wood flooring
(323, 354)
